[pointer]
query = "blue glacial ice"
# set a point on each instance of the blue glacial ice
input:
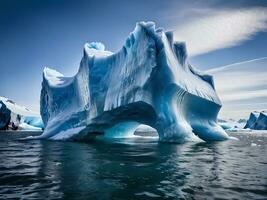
(149, 81)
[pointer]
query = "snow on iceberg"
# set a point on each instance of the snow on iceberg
(149, 81)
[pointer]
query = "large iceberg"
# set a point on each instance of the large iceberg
(149, 81)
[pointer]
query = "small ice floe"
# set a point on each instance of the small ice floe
(149, 194)
(255, 145)
(233, 138)
(165, 182)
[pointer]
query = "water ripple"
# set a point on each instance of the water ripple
(136, 168)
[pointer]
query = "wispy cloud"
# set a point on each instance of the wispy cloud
(217, 29)
(225, 67)
(241, 95)
(242, 86)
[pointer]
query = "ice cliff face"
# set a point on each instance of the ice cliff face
(5, 116)
(149, 81)
(257, 121)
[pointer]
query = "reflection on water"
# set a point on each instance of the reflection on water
(136, 168)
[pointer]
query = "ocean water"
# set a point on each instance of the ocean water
(136, 168)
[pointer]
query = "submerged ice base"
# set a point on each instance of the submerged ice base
(149, 81)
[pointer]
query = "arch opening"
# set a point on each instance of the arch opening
(146, 131)
(122, 122)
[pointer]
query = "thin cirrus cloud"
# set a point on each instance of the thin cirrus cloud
(221, 29)
(242, 87)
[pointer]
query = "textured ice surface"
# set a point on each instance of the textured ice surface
(149, 81)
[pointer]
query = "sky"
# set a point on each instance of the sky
(51, 33)
(242, 87)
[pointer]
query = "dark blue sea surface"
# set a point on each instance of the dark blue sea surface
(136, 168)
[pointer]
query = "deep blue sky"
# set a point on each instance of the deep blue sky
(35, 34)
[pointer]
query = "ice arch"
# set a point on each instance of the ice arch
(149, 81)
(146, 131)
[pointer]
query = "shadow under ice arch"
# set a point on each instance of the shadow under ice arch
(149, 81)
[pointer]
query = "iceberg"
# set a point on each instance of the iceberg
(16, 117)
(149, 81)
(257, 121)
(231, 124)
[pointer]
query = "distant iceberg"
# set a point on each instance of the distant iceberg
(231, 124)
(16, 117)
(257, 121)
(149, 81)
